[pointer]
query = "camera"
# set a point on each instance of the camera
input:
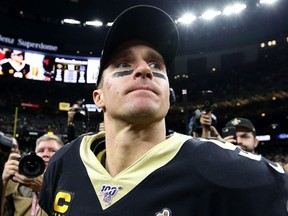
(31, 165)
(207, 100)
(6, 143)
(81, 112)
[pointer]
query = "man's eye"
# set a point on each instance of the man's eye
(155, 66)
(123, 65)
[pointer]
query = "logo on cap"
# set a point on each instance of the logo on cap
(235, 121)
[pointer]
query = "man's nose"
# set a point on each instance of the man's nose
(46, 152)
(143, 70)
(238, 140)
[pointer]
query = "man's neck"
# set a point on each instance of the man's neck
(126, 146)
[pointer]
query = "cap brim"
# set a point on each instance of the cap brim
(145, 23)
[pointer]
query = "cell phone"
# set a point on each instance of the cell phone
(229, 131)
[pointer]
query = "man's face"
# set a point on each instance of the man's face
(135, 84)
(246, 140)
(46, 150)
(18, 57)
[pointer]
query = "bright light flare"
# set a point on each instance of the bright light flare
(210, 14)
(96, 23)
(187, 19)
(267, 1)
(234, 9)
(71, 21)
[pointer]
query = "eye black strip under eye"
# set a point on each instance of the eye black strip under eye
(159, 75)
(129, 72)
(122, 73)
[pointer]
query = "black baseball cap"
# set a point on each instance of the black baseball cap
(145, 23)
(242, 122)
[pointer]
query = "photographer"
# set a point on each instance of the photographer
(8, 145)
(202, 124)
(76, 120)
(203, 121)
(20, 193)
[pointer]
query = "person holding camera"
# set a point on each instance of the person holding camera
(8, 145)
(202, 124)
(20, 192)
(241, 131)
(71, 122)
(77, 118)
(208, 129)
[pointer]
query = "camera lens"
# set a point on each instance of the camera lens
(31, 165)
(80, 116)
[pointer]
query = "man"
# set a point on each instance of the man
(77, 121)
(8, 145)
(15, 66)
(20, 192)
(133, 168)
(245, 135)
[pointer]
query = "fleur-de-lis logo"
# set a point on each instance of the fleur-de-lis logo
(164, 212)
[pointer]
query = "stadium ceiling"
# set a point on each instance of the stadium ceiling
(44, 20)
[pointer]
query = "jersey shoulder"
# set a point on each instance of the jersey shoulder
(230, 166)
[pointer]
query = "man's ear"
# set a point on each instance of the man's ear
(98, 98)
(256, 142)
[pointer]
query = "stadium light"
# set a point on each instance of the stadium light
(210, 14)
(186, 19)
(95, 23)
(234, 9)
(71, 21)
(267, 1)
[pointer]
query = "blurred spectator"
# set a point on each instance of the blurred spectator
(76, 120)
(208, 129)
(202, 124)
(245, 136)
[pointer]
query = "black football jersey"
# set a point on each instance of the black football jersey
(15, 71)
(179, 176)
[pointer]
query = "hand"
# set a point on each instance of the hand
(205, 118)
(206, 121)
(33, 183)
(11, 167)
(230, 139)
(71, 114)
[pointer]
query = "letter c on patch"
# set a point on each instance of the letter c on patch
(61, 202)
